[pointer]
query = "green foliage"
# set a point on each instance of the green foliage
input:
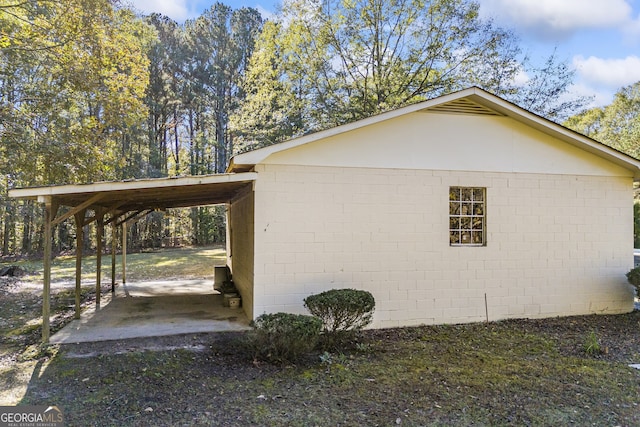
(271, 110)
(342, 310)
(328, 63)
(633, 276)
(545, 91)
(217, 48)
(208, 225)
(89, 92)
(72, 81)
(617, 124)
(591, 344)
(283, 337)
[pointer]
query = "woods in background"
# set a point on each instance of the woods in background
(89, 91)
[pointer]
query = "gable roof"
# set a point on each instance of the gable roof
(469, 101)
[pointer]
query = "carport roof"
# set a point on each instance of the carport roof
(145, 194)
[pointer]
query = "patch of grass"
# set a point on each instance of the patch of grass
(38, 352)
(184, 263)
(21, 304)
(27, 329)
(161, 264)
(504, 373)
(592, 344)
(521, 372)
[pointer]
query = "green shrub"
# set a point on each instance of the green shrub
(633, 276)
(284, 337)
(342, 310)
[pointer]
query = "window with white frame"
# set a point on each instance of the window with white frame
(467, 220)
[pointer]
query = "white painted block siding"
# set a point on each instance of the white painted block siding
(368, 208)
(557, 244)
(240, 248)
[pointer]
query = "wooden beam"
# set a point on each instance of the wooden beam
(115, 215)
(128, 217)
(114, 207)
(99, 245)
(50, 210)
(114, 247)
(79, 217)
(114, 218)
(89, 220)
(106, 211)
(134, 216)
(78, 208)
(124, 253)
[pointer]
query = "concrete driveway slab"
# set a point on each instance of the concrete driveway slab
(155, 308)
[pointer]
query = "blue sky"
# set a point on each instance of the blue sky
(599, 38)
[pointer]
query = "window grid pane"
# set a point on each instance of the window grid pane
(467, 216)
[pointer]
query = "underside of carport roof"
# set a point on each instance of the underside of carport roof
(116, 203)
(160, 193)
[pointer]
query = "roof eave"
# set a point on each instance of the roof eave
(158, 193)
(246, 161)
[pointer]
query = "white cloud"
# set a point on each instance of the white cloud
(177, 10)
(181, 10)
(553, 19)
(521, 78)
(266, 14)
(632, 31)
(599, 98)
(610, 73)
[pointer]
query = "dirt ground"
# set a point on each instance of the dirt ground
(561, 371)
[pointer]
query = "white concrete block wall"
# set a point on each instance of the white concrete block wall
(240, 248)
(556, 244)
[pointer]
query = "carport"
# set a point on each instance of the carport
(115, 204)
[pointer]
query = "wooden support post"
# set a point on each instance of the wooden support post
(114, 247)
(50, 210)
(79, 217)
(99, 244)
(124, 253)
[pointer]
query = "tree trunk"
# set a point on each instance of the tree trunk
(176, 140)
(194, 226)
(221, 146)
(9, 225)
(26, 230)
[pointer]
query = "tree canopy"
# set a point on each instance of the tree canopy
(329, 62)
(72, 81)
(617, 124)
(91, 91)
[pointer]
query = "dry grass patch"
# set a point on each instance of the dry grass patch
(515, 372)
(519, 372)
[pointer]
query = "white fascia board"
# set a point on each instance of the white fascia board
(57, 190)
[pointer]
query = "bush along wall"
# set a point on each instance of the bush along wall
(284, 337)
(342, 312)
